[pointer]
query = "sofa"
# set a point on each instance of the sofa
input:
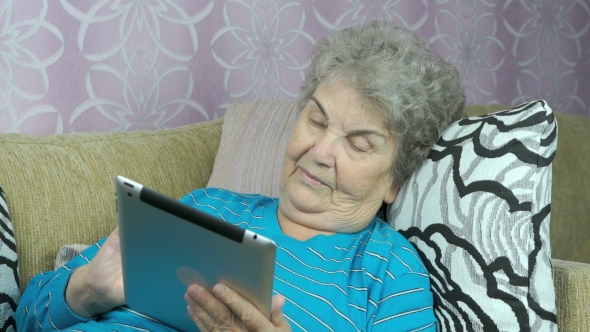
(60, 190)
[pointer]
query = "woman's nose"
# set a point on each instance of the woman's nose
(323, 151)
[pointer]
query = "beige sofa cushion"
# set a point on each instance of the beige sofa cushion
(60, 188)
(570, 214)
(572, 284)
(252, 146)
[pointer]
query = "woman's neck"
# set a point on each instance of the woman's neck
(296, 230)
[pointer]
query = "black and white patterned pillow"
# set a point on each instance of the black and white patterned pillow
(9, 279)
(478, 212)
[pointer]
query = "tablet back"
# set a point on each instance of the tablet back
(167, 245)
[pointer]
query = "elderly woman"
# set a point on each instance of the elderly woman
(372, 106)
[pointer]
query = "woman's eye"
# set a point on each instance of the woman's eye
(317, 123)
(360, 146)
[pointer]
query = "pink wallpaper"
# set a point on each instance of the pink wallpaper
(116, 65)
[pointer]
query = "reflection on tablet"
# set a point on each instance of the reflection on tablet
(189, 276)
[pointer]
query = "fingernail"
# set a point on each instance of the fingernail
(195, 290)
(219, 289)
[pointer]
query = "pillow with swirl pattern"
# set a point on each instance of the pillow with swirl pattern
(478, 212)
(9, 278)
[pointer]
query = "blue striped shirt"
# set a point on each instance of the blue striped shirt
(372, 280)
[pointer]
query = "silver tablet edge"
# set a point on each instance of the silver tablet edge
(267, 245)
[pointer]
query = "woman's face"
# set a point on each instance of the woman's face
(337, 167)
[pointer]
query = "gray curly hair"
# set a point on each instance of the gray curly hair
(396, 73)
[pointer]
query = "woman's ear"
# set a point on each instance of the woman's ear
(391, 194)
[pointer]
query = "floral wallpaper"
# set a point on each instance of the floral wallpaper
(118, 65)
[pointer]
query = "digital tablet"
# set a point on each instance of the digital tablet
(167, 245)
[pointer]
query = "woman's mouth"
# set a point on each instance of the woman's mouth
(310, 179)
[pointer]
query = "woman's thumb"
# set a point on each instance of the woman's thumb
(276, 313)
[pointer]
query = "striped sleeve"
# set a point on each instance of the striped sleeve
(406, 305)
(43, 306)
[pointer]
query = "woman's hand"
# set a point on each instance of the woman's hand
(97, 287)
(226, 310)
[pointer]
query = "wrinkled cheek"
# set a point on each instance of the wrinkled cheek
(349, 186)
(284, 176)
(290, 158)
(288, 171)
(350, 176)
(296, 150)
(359, 188)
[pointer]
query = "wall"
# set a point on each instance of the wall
(68, 66)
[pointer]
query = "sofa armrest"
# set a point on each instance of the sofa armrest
(572, 295)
